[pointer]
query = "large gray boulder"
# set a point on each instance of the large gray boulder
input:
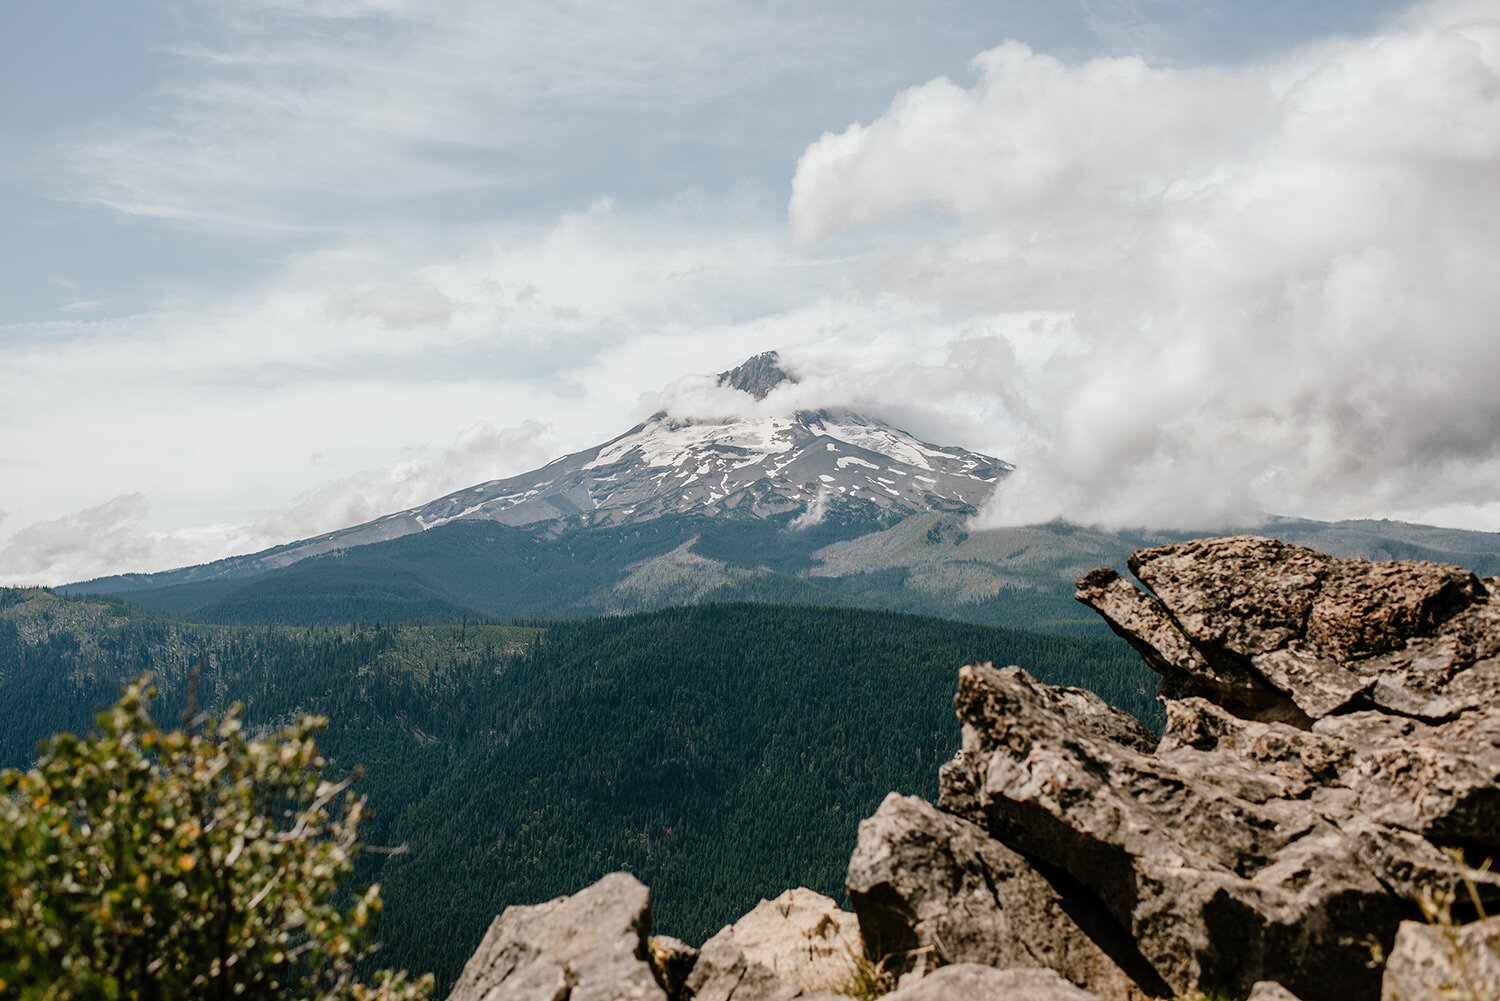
(931, 888)
(1219, 876)
(1278, 631)
(587, 947)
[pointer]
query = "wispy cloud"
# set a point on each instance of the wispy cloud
(1265, 289)
(284, 118)
(480, 454)
(107, 534)
(119, 534)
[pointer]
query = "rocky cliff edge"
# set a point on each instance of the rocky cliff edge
(1329, 775)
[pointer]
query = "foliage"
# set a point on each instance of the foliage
(198, 863)
(865, 979)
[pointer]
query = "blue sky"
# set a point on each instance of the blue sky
(274, 267)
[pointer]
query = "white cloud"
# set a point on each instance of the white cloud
(118, 535)
(107, 534)
(313, 401)
(1173, 296)
(292, 118)
(815, 513)
(1034, 139)
(480, 454)
(1266, 289)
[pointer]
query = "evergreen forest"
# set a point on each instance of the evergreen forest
(721, 752)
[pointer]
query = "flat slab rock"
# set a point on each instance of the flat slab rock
(976, 982)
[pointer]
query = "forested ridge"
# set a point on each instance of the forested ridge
(484, 569)
(721, 752)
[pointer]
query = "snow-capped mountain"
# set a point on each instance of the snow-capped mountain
(756, 467)
(808, 464)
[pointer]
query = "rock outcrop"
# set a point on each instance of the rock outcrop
(587, 947)
(1431, 963)
(1330, 761)
(793, 946)
(932, 888)
(1272, 631)
(1332, 727)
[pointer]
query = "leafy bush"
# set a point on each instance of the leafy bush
(197, 863)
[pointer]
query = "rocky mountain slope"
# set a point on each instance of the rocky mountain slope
(1330, 767)
(804, 463)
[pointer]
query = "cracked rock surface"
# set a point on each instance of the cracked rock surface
(1331, 757)
(1278, 631)
(1332, 737)
(1428, 964)
(930, 887)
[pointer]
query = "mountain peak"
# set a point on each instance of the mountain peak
(757, 376)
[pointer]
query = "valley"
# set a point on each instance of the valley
(719, 751)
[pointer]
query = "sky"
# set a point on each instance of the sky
(275, 267)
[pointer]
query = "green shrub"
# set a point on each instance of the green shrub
(199, 863)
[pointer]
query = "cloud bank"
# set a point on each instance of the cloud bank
(1206, 294)
(339, 390)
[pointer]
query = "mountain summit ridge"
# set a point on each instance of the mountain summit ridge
(757, 376)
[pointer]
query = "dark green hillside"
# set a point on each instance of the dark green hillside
(468, 567)
(484, 569)
(722, 752)
(929, 564)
